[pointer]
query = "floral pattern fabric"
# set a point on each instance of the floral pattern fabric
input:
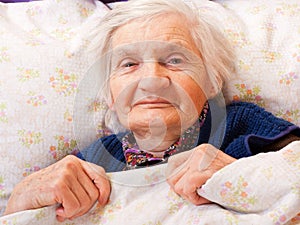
(245, 192)
(46, 112)
(44, 59)
(266, 39)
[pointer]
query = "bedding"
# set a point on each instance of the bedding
(245, 192)
(48, 110)
(43, 57)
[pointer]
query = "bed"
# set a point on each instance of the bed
(46, 113)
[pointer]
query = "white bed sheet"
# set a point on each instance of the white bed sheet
(263, 189)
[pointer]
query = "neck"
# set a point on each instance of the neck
(155, 144)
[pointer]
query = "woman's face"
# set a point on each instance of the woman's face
(156, 76)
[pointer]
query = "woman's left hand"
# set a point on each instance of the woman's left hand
(188, 171)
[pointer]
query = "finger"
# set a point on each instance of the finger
(192, 183)
(176, 166)
(188, 184)
(88, 185)
(197, 199)
(176, 161)
(86, 193)
(100, 179)
(69, 203)
(183, 187)
(177, 176)
(209, 154)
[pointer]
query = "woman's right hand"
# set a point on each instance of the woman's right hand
(71, 182)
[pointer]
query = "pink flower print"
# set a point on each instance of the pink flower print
(282, 218)
(25, 74)
(228, 184)
(271, 56)
(288, 9)
(223, 192)
(289, 115)
(244, 194)
(64, 147)
(175, 202)
(68, 116)
(249, 94)
(30, 169)
(28, 138)
(288, 78)
(36, 100)
(105, 214)
(297, 55)
(238, 39)
(258, 98)
(63, 83)
(237, 194)
(236, 98)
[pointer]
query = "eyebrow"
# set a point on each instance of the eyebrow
(137, 50)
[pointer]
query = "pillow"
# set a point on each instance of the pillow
(266, 36)
(45, 110)
(43, 58)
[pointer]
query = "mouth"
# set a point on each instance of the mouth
(153, 102)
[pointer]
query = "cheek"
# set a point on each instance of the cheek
(122, 90)
(119, 89)
(195, 94)
(114, 93)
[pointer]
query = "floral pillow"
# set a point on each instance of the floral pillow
(266, 36)
(45, 111)
(43, 59)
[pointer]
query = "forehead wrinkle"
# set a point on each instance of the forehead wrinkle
(152, 28)
(173, 31)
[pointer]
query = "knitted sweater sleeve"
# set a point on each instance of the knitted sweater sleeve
(106, 152)
(249, 128)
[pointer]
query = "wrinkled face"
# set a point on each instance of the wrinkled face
(156, 76)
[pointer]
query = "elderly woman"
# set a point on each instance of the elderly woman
(164, 67)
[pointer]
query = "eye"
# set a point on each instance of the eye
(175, 60)
(128, 63)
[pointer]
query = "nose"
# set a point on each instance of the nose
(154, 77)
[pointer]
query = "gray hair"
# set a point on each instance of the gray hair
(217, 53)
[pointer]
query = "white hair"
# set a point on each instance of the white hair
(217, 53)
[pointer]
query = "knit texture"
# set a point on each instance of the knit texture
(248, 128)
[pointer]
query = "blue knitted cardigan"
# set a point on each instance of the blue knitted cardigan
(245, 130)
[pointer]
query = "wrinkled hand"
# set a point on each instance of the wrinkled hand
(71, 182)
(188, 171)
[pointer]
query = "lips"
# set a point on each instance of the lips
(153, 102)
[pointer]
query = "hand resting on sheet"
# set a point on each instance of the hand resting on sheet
(74, 184)
(188, 171)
